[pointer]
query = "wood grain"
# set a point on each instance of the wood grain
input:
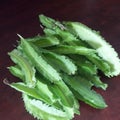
(21, 17)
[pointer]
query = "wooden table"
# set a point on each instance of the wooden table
(21, 17)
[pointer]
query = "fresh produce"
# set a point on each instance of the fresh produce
(60, 67)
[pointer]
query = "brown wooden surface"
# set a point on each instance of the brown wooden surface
(17, 16)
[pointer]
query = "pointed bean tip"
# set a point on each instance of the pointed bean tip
(5, 81)
(20, 36)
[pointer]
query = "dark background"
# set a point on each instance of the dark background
(17, 16)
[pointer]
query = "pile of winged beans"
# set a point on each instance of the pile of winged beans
(60, 67)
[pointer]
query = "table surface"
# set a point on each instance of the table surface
(21, 17)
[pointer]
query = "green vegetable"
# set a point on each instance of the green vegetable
(88, 70)
(28, 69)
(60, 62)
(103, 48)
(16, 71)
(61, 67)
(67, 49)
(45, 69)
(83, 88)
(43, 111)
(43, 41)
(33, 92)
